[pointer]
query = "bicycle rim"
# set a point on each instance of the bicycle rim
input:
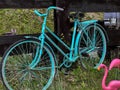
(92, 46)
(16, 73)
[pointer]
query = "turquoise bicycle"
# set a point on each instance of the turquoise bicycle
(30, 63)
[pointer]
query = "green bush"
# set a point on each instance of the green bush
(24, 21)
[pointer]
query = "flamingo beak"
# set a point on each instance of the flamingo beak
(98, 68)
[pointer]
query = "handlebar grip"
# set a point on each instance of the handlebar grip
(37, 12)
(58, 8)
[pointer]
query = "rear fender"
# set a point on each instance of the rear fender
(79, 35)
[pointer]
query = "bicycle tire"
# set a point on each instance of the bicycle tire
(16, 73)
(92, 46)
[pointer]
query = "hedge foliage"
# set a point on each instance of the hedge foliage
(24, 21)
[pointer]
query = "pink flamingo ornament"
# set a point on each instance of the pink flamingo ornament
(115, 63)
(113, 85)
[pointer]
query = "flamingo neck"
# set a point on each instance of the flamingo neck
(104, 78)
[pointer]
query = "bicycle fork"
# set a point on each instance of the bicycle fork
(38, 52)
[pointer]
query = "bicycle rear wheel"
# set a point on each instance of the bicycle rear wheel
(16, 71)
(92, 46)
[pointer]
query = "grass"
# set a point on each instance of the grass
(75, 80)
(79, 79)
(24, 21)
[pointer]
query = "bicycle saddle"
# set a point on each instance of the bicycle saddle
(76, 15)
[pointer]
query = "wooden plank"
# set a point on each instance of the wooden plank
(13, 38)
(95, 5)
(6, 41)
(25, 3)
(74, 5)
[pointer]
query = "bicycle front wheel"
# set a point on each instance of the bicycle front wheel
(92, 46)
(16, 71)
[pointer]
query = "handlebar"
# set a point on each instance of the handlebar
(49, 8)
(38, 13)
(54, 7)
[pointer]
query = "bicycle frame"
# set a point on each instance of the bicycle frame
(72, 57)
(70, 48)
